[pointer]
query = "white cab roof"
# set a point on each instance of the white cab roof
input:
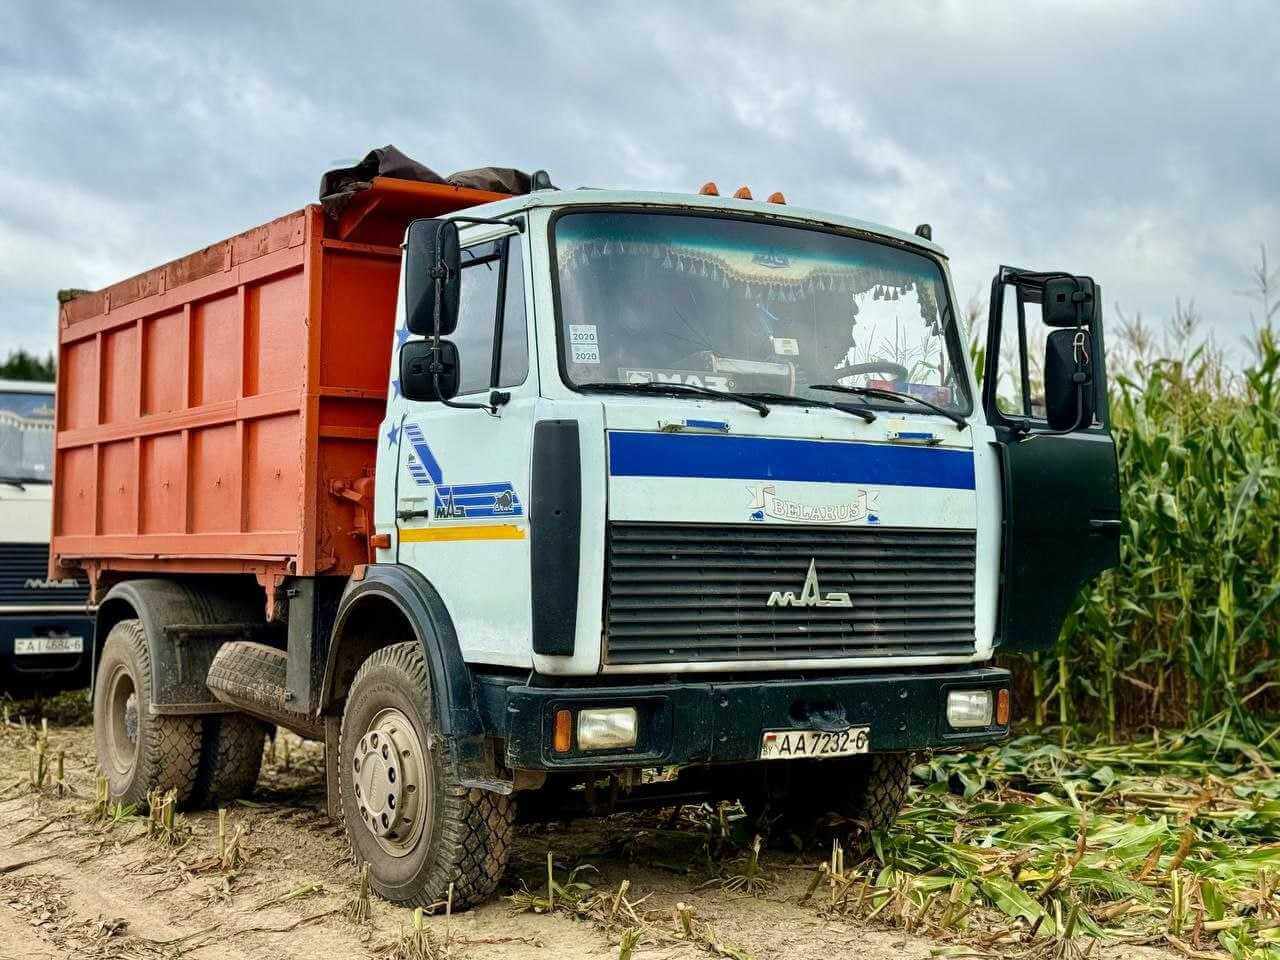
(780, 212)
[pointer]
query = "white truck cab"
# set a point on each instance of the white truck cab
(707, 353)
(45, 623)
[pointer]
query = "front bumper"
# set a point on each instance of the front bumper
(28, 674)
(724, 722)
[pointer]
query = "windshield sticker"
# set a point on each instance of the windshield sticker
(585, 342)
(457, 501)
(786, 346)
(765, 503)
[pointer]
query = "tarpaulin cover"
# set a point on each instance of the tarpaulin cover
(338, 186)
(496, 179)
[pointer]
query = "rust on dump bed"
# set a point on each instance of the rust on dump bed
(220, 413)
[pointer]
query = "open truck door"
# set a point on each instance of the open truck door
(1045, 394)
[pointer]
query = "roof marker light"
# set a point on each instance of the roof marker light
(709, 189)
(777, 197)
(743, 193)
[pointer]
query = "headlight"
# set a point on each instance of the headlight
(967, 709)
(607, 729)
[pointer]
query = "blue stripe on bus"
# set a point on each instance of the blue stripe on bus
(764, 458)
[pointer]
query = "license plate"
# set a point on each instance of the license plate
(29, 645)
(795, 744)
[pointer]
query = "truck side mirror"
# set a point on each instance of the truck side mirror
(420, 361)
(432, 277)
(1069, 395)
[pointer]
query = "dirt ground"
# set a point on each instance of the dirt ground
(72, 888)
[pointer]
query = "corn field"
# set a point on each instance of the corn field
(1187, 630)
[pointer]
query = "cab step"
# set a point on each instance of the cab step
(251, 677)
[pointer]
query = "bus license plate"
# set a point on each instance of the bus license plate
(794, 744)
(30, 645)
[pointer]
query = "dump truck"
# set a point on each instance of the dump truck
(568, 501)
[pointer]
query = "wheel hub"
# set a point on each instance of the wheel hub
(388, 781)
(122, 721)
(131, 718)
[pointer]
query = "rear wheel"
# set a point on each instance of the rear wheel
(231, 758)
(137, 751)
(407, 814)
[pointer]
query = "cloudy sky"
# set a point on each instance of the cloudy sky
(1137, 143)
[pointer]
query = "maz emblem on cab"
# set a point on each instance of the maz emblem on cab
(810, 595)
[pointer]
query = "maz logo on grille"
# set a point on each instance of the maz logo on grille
(35, 584)
(810, 594)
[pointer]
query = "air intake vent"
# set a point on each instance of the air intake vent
(701, 593)
(24, 579)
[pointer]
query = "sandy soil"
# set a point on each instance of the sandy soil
(78, 889)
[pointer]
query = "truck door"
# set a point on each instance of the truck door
(463, 479)
(1061, 498)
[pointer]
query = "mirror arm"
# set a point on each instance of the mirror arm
(442, 271)
(1029, 435)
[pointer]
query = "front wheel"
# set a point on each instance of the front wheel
(812, 796)
(407, 814)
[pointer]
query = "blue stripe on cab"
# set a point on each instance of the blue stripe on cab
(765, 458)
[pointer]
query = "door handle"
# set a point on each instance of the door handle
(413, 514)
(1095, 524)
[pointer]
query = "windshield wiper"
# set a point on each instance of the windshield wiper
(893, 395)
(678, 389)
(862, 412)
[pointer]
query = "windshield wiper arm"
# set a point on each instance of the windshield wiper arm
(862, 412)
(21, 482)
(678, 389)
(954, 417)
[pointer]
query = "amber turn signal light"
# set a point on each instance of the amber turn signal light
(562, 740)
(1002, 708)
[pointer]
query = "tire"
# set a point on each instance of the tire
(874, 789)
(230, 758)
(253, 677)
(139, 752)
(880, 790)
(438, 832)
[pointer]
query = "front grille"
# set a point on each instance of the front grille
(24, 578)
(700, 592)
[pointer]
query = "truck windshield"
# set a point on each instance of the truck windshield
(751, 307)
(26, 437)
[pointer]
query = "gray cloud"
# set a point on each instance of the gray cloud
(1136, 143)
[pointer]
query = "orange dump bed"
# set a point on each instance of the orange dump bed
(218, 413)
